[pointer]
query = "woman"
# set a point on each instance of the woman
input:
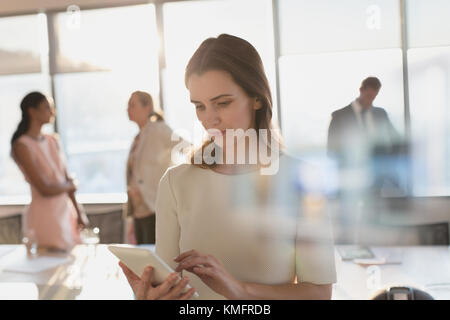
(149, 158)
(54, 217)
(239, 233)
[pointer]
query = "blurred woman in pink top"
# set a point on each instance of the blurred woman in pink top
(54, 217)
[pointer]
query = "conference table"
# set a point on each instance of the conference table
(92, 272)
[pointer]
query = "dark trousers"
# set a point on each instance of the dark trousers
(144, 229)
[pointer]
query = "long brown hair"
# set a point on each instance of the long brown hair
(31, 100)
(241, 60)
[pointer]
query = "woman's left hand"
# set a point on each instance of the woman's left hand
(212, 273)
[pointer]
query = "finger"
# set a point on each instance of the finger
(204, 271)
(130, 275)
(187, 295)
(164, 287)
(191, 262)
(145, 283)
(177, 290)
(185, 255)
(187, 258)
(132, 278)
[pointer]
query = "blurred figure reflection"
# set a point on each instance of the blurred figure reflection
(371, 156)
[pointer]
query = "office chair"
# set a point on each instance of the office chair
(402, 293)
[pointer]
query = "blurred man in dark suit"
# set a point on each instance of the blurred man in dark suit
(370, 156)
(360, 125)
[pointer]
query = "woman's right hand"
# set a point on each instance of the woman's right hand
(168, 290)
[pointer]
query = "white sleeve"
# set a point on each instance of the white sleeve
(167, 225)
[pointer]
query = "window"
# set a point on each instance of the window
(315, 85)
(429, 81)
(330, 26)
(23, 54)
(23, 42)
(428, 23)
(98, 66)
(321, 70)
(327, 47)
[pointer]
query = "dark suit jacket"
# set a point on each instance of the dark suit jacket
(345, 134)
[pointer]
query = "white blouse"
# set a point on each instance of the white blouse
(152, 157)
(264, 229)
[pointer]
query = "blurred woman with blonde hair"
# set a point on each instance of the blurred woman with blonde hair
(149, 157)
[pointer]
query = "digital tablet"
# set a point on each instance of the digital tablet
(136, 259)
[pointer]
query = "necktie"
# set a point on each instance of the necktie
(364, 119)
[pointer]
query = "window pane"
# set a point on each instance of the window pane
(14, 88)
(94, 125)
(428, 23)
(315, 85)
(119, 48)
(429, 80)
(248, 19)
(107, 39)
(22, 41)
(328, 25)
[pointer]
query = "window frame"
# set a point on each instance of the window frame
(51, 12)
